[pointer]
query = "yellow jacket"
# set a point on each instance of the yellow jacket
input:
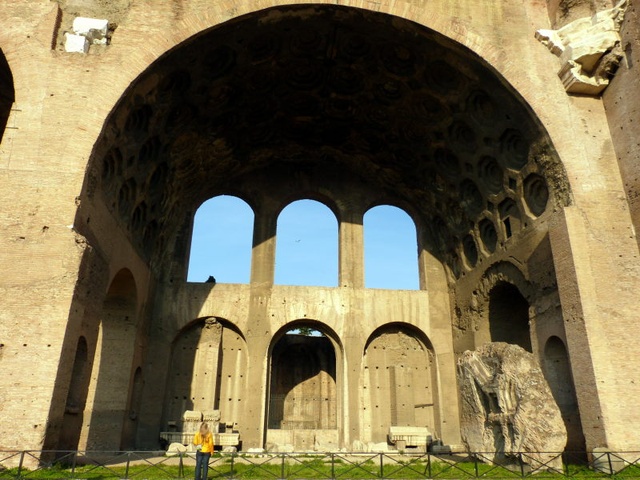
(206, 442)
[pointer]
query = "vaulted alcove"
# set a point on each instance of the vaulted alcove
(400, 382)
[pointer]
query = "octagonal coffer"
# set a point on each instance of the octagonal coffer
(536, 194)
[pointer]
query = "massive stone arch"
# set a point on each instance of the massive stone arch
(292, 101)
(60, 265)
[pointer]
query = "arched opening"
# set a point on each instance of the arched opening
(400, 387)
(303, 410)
(221, 241)
(557, 370)
(207, 374)
(7, 93)
(76, 398)
(307, 245)
(390, 249)
(509, 316)
(110, 385)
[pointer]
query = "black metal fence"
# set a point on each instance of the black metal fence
(348, 466)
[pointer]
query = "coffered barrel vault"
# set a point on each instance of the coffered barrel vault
(335, 91)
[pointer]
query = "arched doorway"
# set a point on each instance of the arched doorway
(400, 387)
(509, 316)
(303, 398)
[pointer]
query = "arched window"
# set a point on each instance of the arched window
(390, 249)
(307, 245)
(221, 241)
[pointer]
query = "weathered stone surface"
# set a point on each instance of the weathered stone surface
(405, 436)
(583, 45)
(377, 447)
(507, 407)
(94, 29)
(76, 43)
(176, 448)
(191, 420)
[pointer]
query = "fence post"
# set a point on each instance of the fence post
(429, 464)
(333, 467)
(180, 466)
(521, 464)
(73, 463)
(20, 464)
(475, 465)
(126, 470)
(282, 467)
(233, 456)
(381, 466)
(611, 472)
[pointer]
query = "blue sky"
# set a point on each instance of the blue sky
(306, 247)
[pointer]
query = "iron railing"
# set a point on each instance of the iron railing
(143, 465)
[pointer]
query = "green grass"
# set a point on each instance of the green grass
(306, 467)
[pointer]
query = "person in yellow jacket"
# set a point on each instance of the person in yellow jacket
(203, 440)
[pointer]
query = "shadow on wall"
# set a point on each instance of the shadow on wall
(7, 93)
(76, 398)
(557, 370)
